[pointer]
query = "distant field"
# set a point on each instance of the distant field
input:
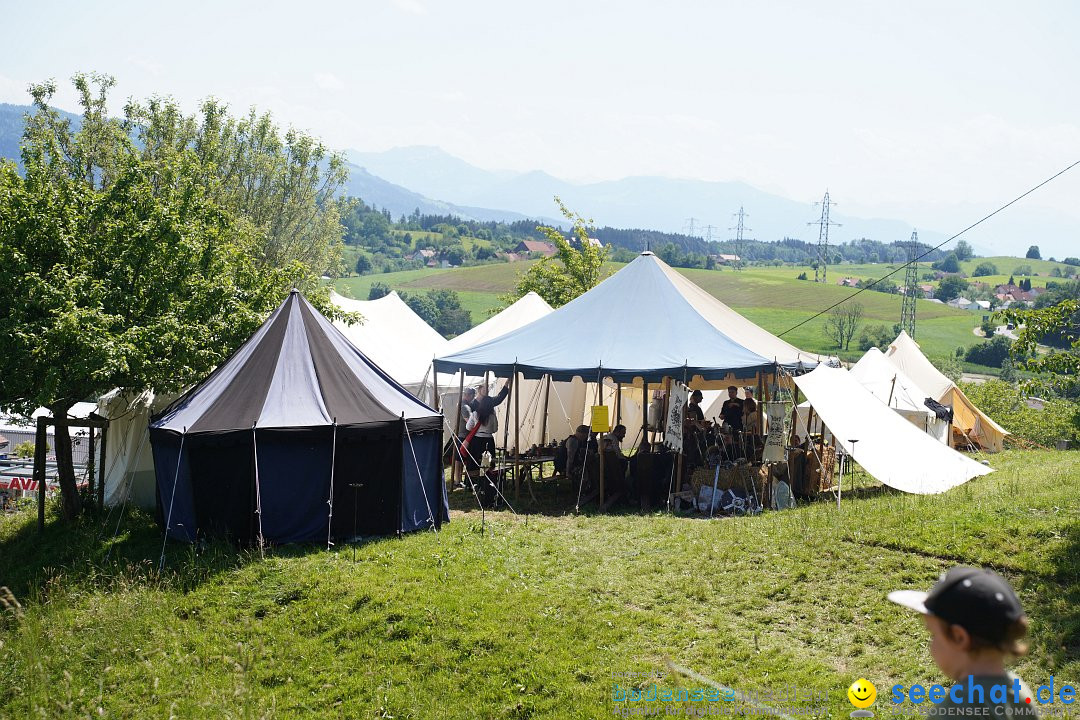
(771, 297)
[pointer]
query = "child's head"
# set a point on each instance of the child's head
(973, 616)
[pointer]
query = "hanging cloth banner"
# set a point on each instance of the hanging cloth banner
(774, 443)
(673, 431)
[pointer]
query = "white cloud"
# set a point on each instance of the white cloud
(329, 81)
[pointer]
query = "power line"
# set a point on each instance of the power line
(1015, 200)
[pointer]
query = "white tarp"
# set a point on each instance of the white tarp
(393, 337)
(887, 446)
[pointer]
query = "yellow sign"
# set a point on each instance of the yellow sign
(600, 419)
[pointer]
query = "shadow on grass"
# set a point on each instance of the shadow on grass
(1057, 606)
(106, 550)
(558, 499)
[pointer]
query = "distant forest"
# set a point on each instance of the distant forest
(383, 244)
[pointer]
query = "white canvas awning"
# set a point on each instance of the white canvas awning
(891, 449)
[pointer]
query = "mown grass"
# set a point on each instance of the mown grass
(530, 617)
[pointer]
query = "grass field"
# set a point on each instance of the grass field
(769, 296)
(531, 618)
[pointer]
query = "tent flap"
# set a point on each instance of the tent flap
(890, 448)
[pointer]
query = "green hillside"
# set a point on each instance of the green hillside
(529, 617)
(770, 296)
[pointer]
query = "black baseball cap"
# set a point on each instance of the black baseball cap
(980, 601)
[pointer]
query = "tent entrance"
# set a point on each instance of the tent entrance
(367, 485)
(223, 487)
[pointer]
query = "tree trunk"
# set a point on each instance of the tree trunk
(70, 502)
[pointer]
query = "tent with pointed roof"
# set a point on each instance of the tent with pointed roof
(564, 401)
(892, 386)
(298, 436)
(395, 338)
(672, 328)
(904, 353)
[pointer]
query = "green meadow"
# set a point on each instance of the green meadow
(527, 615)
(770, 296)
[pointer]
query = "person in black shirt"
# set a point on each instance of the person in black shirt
(732, 410)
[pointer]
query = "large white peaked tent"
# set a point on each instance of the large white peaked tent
(674, 330)
(905, 354)
(887, 446)
(395, 338)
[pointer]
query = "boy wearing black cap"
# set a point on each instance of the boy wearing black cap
(975, 622)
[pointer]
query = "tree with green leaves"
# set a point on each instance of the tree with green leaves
(1060, 370)
(1033, 253)
(124, 265)
(964, 251)
(573, 269)
(950, 288)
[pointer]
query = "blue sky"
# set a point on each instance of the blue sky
(933, 111)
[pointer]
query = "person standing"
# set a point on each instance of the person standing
(976, 623)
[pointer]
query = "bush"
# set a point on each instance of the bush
(378, 290)
(949, 367)
(875, 336)
(984, 269)
(1058, 420)
(990, 353)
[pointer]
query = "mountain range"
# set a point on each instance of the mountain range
(427, 178)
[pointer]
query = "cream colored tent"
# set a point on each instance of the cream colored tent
(888, 447)
(128, 467)
(395, 338)
(904, 353)
(892, 386)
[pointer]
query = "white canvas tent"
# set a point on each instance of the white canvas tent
(395, 338)
(887, 446)
(905, 354)
(565, 401)
(892, 386)
(128, 467)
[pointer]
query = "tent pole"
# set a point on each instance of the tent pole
(434, 387)
(544, 417)
(599, 446)
(457, 466)
(517, 437)
(644, 414)
(618, 403)
(330, 502)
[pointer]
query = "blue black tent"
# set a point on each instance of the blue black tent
(298, 437)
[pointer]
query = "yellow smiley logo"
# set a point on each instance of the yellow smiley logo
(862, 693)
